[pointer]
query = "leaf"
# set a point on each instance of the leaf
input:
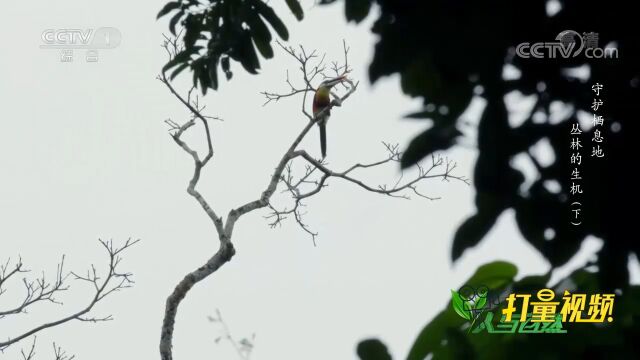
(430, 338)
(474, 229)
(493, 275)
(459, 305)
(248, 57)
(174, 21)
(440, 137)
(267, 12)
(197, 68)
(481, 303)
(391, 54)
(296, 9)
(258, 27)
(261, 36)
(422, 114)
(181, 57)
(204, 80)
(224, 63)
(372, 349)
(213, 73)
(357, 10)
(168, 8)
(263, 46)
(178, 70)
(213, 20)
(193, 31)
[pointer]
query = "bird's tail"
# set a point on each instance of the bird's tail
(323, 138)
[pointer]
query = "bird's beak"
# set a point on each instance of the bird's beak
(336, 81)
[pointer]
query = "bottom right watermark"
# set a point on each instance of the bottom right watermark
(526, 314)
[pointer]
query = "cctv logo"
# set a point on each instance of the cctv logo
(100, 38)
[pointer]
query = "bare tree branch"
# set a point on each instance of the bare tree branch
(32, 351)
(35, 290)
(41, 290)
(310, 60)
(58, 353)
(243, 347)
(399, 189)
(311, 66)
(61, 354)
(5, 274)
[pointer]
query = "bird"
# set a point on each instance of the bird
(321, 101)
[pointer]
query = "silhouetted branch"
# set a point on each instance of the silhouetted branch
(40, 290)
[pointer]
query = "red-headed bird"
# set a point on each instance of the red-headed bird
(321, 100)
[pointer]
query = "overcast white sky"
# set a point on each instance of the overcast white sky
(85, 155)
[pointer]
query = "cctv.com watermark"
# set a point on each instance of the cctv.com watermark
(568, 44)
(88, 41)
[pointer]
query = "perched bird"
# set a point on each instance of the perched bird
(321, 100)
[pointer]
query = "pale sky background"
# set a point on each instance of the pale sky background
(85, 155)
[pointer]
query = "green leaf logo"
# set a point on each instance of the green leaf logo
(460, 306)
(480, 303)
